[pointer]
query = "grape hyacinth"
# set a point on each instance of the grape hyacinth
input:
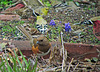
(52, 23)
(60, 22)
(67, 27)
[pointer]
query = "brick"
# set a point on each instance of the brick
(9, 17)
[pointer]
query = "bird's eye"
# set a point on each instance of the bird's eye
(41, 40)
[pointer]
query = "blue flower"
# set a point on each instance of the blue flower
(67, 27)
(60, 22)
(52, 23)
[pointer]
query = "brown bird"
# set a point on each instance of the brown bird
(40, 45)
(24, 13)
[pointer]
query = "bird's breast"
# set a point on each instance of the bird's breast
(44, 48)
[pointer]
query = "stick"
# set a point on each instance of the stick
(70, 65)
(63, 51)
(75, 67)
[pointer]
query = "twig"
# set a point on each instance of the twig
(70, 65)
(75, 67)
(59, 68)
(48, 68)
(51, 69)
(63, 51)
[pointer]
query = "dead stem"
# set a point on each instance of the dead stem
(75, 67)
(70, 65)
(63, 62)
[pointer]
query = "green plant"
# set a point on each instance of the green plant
(5, 3)
(99, 42)
(10, 27)
(73, 41)
(47, 3)
(16, 66)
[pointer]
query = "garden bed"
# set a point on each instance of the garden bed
(78, 51)
(81, 50)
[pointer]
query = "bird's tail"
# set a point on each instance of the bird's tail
(23, 31)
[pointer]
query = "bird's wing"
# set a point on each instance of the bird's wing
(23, 31)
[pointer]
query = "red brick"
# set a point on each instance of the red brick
(9, 17)
(76, 50)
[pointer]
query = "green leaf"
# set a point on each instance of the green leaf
(98, 42)
(95, 59)
(2, 65)
(47, 4)
(8, 66)
(22, 22)
(14, 62)
(24, 58)
(28, 67)
(18, 59)
(4, 68)
(1, 70)
(77, 3)
(1, 7)
(35, 66)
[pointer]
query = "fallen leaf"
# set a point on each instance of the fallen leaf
(2, 45)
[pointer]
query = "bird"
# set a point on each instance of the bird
(96, 26)
(95, 21)
(40, 45)
(31, 30)
(42, 11)
(41, 25)
(24, 13)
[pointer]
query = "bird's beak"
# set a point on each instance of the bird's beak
(37, 42)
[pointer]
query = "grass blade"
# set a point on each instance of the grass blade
(4, 69)
(24, 58)
(2, 64)
(8, 66)
(35, 66)
(18, 59)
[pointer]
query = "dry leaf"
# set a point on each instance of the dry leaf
(2, 45)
